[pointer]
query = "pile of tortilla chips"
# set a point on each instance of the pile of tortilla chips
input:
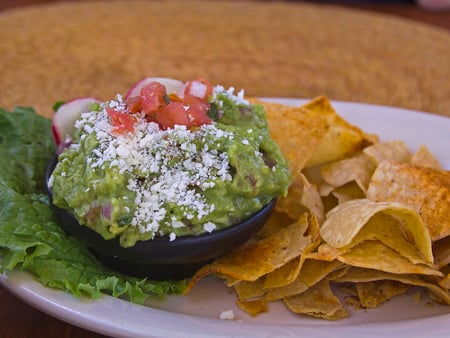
(362, 216)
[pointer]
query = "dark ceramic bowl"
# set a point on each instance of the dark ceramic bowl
(159, 258)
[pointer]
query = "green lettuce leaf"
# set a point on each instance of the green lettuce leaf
(31, 239)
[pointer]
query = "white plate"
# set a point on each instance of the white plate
(197, 314)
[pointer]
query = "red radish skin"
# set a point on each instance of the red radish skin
(64, 118)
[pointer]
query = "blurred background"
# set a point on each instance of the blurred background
(393, 53)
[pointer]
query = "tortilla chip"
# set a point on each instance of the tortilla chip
(289, 272)
(277, 221)
(297, 131)
(357, 169)
(253, 307)
(357, 275)
(250, 290)
(325, 189)
(375, 255)
(284, 275)
(342, 139)
(424, 158)
(389, 231)
(312, 272)
(348, 192)
(302, 196)
(396, 151)
(445, 282)
(318, 301)
(373, 294)
(322, 106)
(375, 247)
(345, 221)
(325, 252)
(253, 259)
(441, 252)
(425, 190)
(338, 143)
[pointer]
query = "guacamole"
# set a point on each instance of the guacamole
(150, 181)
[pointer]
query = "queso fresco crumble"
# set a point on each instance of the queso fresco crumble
(169, 181)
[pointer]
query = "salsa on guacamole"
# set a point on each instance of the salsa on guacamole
(135, 169)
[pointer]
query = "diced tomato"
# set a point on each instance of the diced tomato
(134, 104)
(196, 95)
(189, 109)
(197, 117)
(122, 122)
(153, 97)
(192, 101)
(200, 88)
(172, 114)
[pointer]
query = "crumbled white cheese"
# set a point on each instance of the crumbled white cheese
(227, 315)
(238, 98)
(165, 165)
(172, 236)
(209, 226)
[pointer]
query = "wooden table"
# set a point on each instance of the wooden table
(18, 319)
(405, 8)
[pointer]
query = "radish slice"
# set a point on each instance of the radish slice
(172, 86)
(63, 123)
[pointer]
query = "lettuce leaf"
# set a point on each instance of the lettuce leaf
(31, 239)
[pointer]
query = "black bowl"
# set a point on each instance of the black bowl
(160, 258)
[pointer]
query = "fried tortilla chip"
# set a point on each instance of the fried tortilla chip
(441, 252)
(253, 307)
(284, 275)
(344, 222)
(289, 272)
(425, 190)
(445, 282)
(312, 272)
(338, 143)
(366, 216)
(325, 252)
(357, 169)
(424, 158)
(375, 255)
(247, 291)
(348, 192)
(390, 231)
(373, 294)
(302, 196)
(357, 275)
(342, 139)
(277, 221)
(395, 151)
(253, 259)
(297, 131)
(318, 301)
(322, 106)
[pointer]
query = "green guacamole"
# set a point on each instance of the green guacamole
(172, 182)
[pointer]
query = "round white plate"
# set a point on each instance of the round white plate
(197, 314)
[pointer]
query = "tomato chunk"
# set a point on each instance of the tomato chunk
(197, 117)
(122, 121)
(189, 109)
(134, 104)
(153, 97)
(172, 114)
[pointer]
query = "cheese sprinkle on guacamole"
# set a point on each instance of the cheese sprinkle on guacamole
(176, 181)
